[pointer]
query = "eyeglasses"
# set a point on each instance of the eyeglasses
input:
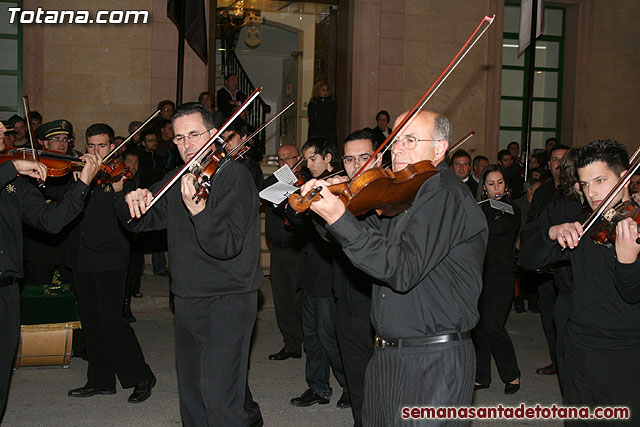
(192, 137)
(409, 142)
(347, 160)
(285, 159)
(65, 140)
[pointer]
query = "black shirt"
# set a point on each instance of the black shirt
(99, 242)
(151, 168)
(278, 233)
(429, 260)
(604, 313)
(21, 201)
(216, 251)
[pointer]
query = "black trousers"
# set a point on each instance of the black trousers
(134, 272)
(213, 335)
(321, 344)
(602, 378)
(9, 335)
(547, 294)
(285, 264)
(435, 375)
(490, 337)
(355, 339)
(112, 345)
(560, 319)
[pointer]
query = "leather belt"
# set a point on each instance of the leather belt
(7, 281)
(383, 343)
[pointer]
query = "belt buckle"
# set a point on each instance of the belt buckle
(381, 342)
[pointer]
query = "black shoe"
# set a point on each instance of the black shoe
(87, 391)
(142, 391)
(258, 423)
(309, 398)
(344, 401)
(284, 354)
(480, 386)
(510, 388)
(519, 308)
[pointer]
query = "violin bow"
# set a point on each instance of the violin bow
(464, 50)
(603, 207)
(264, 125)
(34, 151)
(115, 150)
(202, 149)
(462, 141)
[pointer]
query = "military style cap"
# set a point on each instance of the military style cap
(56, 127)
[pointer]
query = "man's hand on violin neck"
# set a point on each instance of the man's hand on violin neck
(91, 167)
(188, 190)
(567, 234)
(328, 205)
(138, 201)
(627, 247)
(30, 168)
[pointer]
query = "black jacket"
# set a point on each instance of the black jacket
(503, 232)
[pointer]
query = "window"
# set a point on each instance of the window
(10, 62)
(547, 84)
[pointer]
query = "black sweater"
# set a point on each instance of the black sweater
(216, 251)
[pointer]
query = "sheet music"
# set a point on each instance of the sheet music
(286, 175)
(278, 192)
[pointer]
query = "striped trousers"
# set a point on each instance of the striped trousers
(430, 376)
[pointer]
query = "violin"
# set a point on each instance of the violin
(388, 193)
(605, 233)
(59, 164)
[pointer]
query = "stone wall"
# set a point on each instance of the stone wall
(105, 73)
(411, 41)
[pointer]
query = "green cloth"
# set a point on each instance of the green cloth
(53, 303)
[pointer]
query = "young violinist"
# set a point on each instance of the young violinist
(352, 288)
(316, 295)
(427, 262)
(214, 246)
(490, 336)
(22, 202)
(99, 267)
(602, 343)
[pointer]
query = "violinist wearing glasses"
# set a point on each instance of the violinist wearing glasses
(602, 343)
(22, 202)
(490, 336)
(427, 263)
(214, 246)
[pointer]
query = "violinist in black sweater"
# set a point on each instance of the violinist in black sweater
(603, 338)
(490, 336)
(213, 251)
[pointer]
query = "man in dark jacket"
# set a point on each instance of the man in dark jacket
(214, 246)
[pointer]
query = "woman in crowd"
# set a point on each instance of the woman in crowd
(323, 111)
(490, 336)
